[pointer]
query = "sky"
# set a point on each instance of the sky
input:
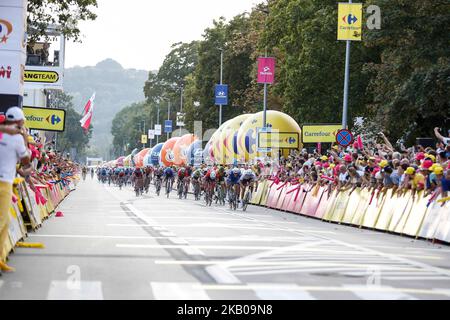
(138, 33)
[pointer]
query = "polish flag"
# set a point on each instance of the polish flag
(87, 114)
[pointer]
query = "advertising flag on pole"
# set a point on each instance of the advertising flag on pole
(221, 94)
(266, 70)
(349, 21)
(87, 114)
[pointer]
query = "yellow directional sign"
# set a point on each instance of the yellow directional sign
(279, 140)
(349, 21)
(144, 138)
(45, 119)
(320, 133)
(41, 76)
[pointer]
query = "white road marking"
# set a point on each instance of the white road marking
(365, 293)
(208, 247)
(177, 291)
(222, 275)
(85, 290)
(168, 234)
(425, 278)
(93, 236)
(215, 226)
(177, 241)
(283, 294)
(193, 251)
(288, 287)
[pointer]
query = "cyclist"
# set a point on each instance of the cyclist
(248, 178)
(121, 178)
(159, 172)
(103, 174)
(138, 177)
(147, 178)
(169, 176)
(233, 181)
(181, 175)
(221, 190)
(92, 173)
(196, 179)
(84, 172)
(209, 184)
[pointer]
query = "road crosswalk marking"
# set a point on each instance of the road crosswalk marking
(82, 290)
(177, 291)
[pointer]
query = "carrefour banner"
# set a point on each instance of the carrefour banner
(45, 119)
(349, 21)
(324, 133)
(278, 140)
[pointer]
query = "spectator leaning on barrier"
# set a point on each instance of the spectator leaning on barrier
(12, 149)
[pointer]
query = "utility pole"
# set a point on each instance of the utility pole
(265, 102)
(168, 118)
(181, 105)
(221, 82)
(157, 137)
(346, 83)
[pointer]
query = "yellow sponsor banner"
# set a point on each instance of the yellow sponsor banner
(349, 21)
(279, 140)
(41, 76)
(144, 138)
(320, 133)
(45, 118)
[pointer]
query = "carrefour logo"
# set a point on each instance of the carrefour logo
(350, 19)
(170, 156)
(53, 119)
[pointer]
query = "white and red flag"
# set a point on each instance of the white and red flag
(87, 114)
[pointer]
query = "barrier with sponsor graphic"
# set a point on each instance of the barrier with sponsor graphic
(30, 208)
(405, 213)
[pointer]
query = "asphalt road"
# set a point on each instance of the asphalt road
(112, 245)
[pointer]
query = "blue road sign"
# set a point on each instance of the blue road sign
(168, 126)
(344, 138)
(221, 94)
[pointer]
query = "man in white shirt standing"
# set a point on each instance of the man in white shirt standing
(12, 149)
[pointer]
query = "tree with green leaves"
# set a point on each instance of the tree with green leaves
(65, 13)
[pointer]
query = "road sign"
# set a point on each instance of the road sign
(180, 119)
(266, 70)
(279, 140)
(168, 126)
(157, 129)
(344, 138)
(349, 21)
(151, 134)
(221, 94)
(45, 119)
(324, 133)
(144, 139)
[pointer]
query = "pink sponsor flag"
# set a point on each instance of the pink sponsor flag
(266, 70)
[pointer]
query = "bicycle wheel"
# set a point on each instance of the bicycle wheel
(246, 200)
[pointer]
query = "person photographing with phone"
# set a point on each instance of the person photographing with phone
(12, 150)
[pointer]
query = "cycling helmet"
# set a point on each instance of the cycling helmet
(212, 175)
(249, 172)
(236, 171)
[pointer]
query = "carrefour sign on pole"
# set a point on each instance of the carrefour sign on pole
(349, 21)
(221, 94)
